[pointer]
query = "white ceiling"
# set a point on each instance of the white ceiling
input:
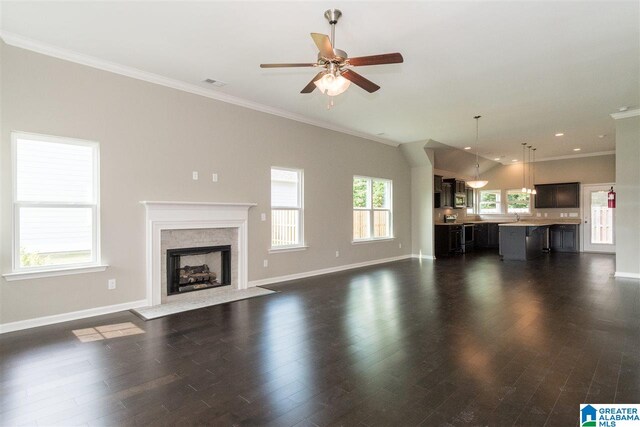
(531, 69)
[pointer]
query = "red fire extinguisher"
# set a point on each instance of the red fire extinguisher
(611, 198)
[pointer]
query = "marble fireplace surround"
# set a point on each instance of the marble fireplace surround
(192, 216)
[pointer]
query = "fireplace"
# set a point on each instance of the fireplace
(199, 268)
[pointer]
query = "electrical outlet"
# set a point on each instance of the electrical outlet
(265, 263)
(538, 214)
(337, 254)
(194, 175)
(263, 216)
(400, 245)
(111, 284)
(214, 177)
(545, 214)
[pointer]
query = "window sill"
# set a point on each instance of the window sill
(288, 249)
(53, 272)
(364, 241)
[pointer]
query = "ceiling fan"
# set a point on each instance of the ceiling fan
(337, 74)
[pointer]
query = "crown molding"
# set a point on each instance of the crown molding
(626, 114)
(19, 41)
(569, 156)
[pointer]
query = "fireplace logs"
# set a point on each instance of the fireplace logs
(195, 277)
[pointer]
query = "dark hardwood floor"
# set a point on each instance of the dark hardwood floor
(461, 341)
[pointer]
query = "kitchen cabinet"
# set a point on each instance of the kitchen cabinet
(437, 183)
(564, 195)
(448, 239)
(522, 242)
(469, 197)
(564, 238)
(446, 195)
(487, 235)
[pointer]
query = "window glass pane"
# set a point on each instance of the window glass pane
(490, 201)
(517, 202)
(361, 224)
(360, 193)
(601, 219)
(54, 236)
(284, 188)
(285, 227)
(54, 172)
(381, 223)
(381, 194)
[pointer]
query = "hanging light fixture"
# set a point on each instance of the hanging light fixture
(529, 171)
(477, 182)
(524, 165)
(533, 191)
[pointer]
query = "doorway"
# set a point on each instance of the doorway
(599, 219)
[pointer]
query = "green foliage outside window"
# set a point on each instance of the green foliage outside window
(359, 193)
(518, 202)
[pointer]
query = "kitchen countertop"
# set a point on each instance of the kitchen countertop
(521, 223)
(573, 221)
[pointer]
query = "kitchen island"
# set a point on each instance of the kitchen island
(525, 240)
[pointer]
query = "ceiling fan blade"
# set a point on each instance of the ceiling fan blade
(312, 84)
(287, 65)
(356, 78)
(386, 58)
(324, 45)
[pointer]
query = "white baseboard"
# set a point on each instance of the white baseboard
(623, 275)
(418, 256)
(65, 317)
(270, 280)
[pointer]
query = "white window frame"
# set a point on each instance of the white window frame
(499, 203)
(300, 208)
(19, 272)
(506, 199)
(371, 209)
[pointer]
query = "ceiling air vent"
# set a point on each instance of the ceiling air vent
(216, 83)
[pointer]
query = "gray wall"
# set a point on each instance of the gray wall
(628, 196)
(151, 139)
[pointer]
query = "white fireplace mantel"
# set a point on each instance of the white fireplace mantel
(191, 215)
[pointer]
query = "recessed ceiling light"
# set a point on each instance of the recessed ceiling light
(559, 134)
(514, 160)
(601, 136)
(497, 159)
(576, 149)
(467, 148)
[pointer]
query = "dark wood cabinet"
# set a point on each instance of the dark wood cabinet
(446, 195)
(564, 238)
(437, 183)
(487, 235)
(448, 239)
(564, 195)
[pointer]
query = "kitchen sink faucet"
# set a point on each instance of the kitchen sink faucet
(517, 217)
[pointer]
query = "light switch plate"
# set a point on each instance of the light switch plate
(194, 175)
(263, 216)
(214, 177)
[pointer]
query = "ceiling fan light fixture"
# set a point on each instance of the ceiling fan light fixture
(332, 85)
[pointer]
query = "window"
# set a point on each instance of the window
(371, 208)
(55, 202)
(286, 208)
(518, 202)
(490, 202)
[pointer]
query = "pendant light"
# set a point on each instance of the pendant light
(524, 164)
(477, 182)
(529, 171)
(533, 191)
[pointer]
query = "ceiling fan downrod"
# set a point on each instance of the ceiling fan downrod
(332, 16)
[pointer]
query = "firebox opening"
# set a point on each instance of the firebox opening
(194, 269)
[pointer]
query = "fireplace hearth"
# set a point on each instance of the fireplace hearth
(194, 269)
